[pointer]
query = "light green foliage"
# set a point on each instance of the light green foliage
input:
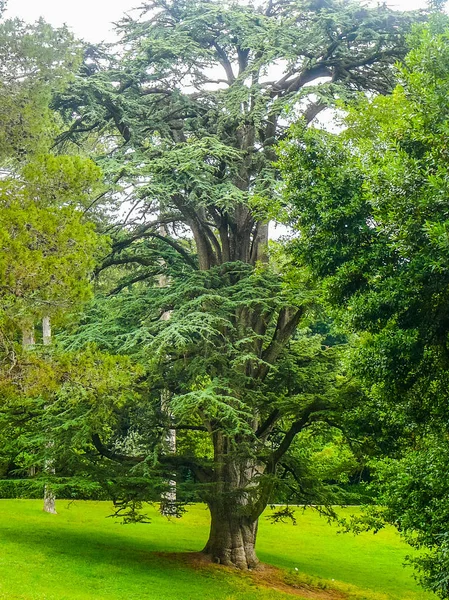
(35, 61)
(378, 194)
(329, 454)
(48, 249)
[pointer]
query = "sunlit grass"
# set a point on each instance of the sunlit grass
(80, 554)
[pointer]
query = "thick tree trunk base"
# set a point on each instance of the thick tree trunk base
(232, 541)
(233, 557)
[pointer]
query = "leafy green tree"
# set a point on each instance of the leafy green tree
(48, 245)
(36, 60)
(186, 115)
(371, 206)
(47, 248)
(48, 251)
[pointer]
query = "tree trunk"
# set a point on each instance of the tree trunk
(49, 501)
(46, 331)
(49, 496)
(168, 500)
(232, 536)
(168, 506)
(28, 340)
(236, 501)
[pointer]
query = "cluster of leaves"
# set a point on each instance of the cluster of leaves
(371, 205)
(207, 358)
(48, 244)
(48, 249)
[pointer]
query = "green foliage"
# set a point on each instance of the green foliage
(191, 114)
(48, 245)
(73, 395)
(64, 489)
(415, 493)
(35, 61)
(206, 358)
(48, 248)
(371, 205)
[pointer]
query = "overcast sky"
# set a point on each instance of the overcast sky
(91, 19)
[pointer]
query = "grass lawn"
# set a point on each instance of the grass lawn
(81, 555)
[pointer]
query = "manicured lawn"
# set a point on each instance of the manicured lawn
(81, 555)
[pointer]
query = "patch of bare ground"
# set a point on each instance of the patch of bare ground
(265, 576)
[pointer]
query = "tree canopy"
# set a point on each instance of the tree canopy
(371, 206)
(197, 95)
(184, 116)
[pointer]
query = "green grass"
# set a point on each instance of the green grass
(81, 555)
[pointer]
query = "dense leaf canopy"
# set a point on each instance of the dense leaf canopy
(377, 193)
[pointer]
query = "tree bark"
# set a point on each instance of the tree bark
(46, 331)
(236, 500)
(49, 496)
(49, 499)
(28, 339)
(232, 536)
(168, 499)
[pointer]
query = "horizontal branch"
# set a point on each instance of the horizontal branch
(136, 279)
(115, 456)
(201, 472)
(142, 231)
(295, 428)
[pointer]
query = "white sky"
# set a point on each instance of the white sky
(91, 19)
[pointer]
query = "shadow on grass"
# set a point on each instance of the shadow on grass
(93, 546)
(51, 560)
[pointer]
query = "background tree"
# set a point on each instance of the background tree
(187, 114)
(48, 245)
(47, 249)
(371, 206)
